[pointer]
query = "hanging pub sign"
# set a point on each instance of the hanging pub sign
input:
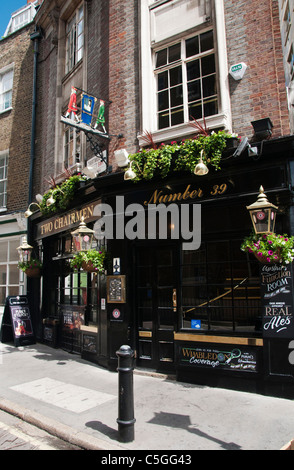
(16, 322)
(277, 301)
(88, 103)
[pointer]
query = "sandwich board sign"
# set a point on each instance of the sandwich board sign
(16, 321)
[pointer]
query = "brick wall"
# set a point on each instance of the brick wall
(113, 68)
(15, 125)
(253, 37)
(113, 73)
(46, 113)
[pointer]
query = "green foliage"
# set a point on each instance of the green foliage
(97, 258)
(180, 156)
(62, 194)
(33, 263)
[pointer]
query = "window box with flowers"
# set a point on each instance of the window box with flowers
(270, 248)
(164, 159)
(60, 196)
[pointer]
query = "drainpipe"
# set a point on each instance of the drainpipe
(35, 36)
(34, 300)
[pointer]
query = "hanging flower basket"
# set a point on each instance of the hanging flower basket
(274, 259)
(91, 261)
(89, 267)
(270, 248)
(32, 268)
(33, 272)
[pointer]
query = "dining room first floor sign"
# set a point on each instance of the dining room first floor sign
(277, 301)
(16, 321)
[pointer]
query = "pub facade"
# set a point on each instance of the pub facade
(175, 285)
(196, 307)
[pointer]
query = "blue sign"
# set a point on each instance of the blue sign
(196, 324)
(87, 109)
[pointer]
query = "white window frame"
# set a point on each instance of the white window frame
(4, 90)
(20, 18)
(73, 146)
(182, 63)
(75, 32)
(148, 82)
(17, 287)
(4, 155)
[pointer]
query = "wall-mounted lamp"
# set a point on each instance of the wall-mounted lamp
(201, 169)
(51, 199)
(24, 251)
(28, 212)
(121, 157)
(82, 237)
(130, 174)
(39, 198)
(263, 214)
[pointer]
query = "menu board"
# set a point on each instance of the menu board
(16, 322)
(277, 301)
(116, 289)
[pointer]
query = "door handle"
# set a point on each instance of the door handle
(175, 300)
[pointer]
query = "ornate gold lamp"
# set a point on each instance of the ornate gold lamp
(263, 214)
(82, 237)
(25, 251)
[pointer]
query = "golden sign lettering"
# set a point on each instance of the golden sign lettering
(159, 197)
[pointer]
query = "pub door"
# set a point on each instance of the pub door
(157, 272)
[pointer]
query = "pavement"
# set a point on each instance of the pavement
(77, 401)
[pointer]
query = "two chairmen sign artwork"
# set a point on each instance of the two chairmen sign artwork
(87, 110)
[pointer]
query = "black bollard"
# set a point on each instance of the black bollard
(125, 420)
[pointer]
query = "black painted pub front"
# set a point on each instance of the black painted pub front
(192, 310)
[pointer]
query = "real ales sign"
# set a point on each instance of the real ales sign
(277, 301)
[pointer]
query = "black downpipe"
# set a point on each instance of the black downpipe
(33, 286)
(34, 37)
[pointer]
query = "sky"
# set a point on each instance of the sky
(6, 8)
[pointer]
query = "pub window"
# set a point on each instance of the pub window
(220, 288)
(74, 288)
(74, 39)
(186, 80)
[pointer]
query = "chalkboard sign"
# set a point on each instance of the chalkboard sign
(277, 301)
(16, 322)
